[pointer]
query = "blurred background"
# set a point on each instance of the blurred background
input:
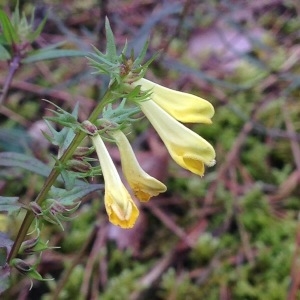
(233, 234)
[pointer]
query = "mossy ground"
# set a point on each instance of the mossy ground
(233, 234)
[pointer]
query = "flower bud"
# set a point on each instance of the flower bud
(78, 165)
(89, 127)
(36, 209)
(56, 208)
(82, 151)
(21, 265)
(27, 246)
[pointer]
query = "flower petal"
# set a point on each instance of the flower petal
(143, 185)
(184, 107)
(186, 147)
(119, 206)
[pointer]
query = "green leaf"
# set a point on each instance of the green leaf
(29, 163)
(63, 118)
(142, 54)
(4, 54)
(8, 30)
(34, 274)
(12, 159)
(27, 269)
(4, 279)
(119, 115)
(63, 138)
(111, 50)
(52, 46)
(32, 36)
(75, 194)
(104, 60)
(68, 178)
(40, 246)
(9, 204)
(52, 54)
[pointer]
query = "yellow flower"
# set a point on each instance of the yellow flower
(187, 148)
(143, 185)
(119, 206)
(184, 107)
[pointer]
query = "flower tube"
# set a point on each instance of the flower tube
(188, 149)
(143, 185)
(119, 206)
(184, 107)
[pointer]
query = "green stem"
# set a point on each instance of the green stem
(55, 173)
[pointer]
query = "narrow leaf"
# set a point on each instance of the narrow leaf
(68, 178)
(12, 159)
(74, 195)
(8, 30)
(4, 54)
(38, 31)
(63, 138)
(111, 49)
(52, 54)
(142, 54)
(34, 274)
(9, 204)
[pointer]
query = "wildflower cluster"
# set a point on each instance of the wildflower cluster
(166, 109)
(128, 98)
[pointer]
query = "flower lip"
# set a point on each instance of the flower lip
(143, 185)
(187, 148)
(119, 206)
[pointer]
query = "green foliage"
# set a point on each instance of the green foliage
(179, 288)
(4, 54)
(80, 228)
(51, 53)
(256, 212)
(122, 286)
(205, 249)
(117, 66)
(63, 138)
(11, 159)
(9, 32)
(118, 117)
(17, 33)
(9, 204)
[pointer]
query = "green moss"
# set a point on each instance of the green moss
(204, 250)
(121, 286)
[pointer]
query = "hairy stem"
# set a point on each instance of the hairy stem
(55, 173)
